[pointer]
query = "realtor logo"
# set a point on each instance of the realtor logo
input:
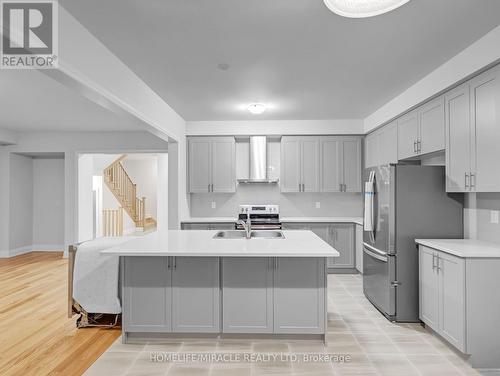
(29, 34)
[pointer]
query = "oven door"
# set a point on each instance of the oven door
(379, 270)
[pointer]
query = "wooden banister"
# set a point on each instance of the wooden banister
(112, 222)
(125, 190)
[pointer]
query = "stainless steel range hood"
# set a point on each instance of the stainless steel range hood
(258, 162)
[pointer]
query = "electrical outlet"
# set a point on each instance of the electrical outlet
(494, 216)
(214, 205)
(318, 205)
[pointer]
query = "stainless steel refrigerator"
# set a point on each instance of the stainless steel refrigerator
(403, 203)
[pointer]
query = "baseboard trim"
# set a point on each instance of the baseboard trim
(30, 248)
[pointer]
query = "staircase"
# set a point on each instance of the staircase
(125, 191)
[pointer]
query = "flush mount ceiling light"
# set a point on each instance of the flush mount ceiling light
(363, 8)
(256, 108)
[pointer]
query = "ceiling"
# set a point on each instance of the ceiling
(295, 55)
(32, 101)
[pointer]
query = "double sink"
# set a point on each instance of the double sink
(238, 234)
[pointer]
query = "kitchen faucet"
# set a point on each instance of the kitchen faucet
(247, 225)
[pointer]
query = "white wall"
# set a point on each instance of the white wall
(21, 202)
(85, 198)
(275, 127)
(144, 173)
(482, 53)
(48, 203)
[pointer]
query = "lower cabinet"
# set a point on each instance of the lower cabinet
(181, 294)
(273, 295)
(340, 236)
(247, 302)
(299, 295)
(207, 226)
(442, 295)
(195, 295)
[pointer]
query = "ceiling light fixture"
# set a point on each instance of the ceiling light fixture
(256, 108)
(363, 8)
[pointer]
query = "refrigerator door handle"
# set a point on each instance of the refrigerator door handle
(375, 250)
(376, 255)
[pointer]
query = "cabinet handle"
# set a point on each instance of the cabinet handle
(472, 180)
(419, 145)
(168, 262)
(175, 262)
(466, 181)
(303, 187)
(437, 263)
(345, 187)
(414, 146)
(209, 188)
(433, 263)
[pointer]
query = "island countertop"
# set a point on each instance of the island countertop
(201, 243)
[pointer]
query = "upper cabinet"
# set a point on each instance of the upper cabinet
(473, 135)
(299, 164)
(408, 135)
(485, 115)
(320, 164)
(422, 131)
(381, 146)
(432, 126)
(211, 164)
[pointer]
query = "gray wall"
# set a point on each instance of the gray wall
(21, 201)
(291, 204)
(48, 202)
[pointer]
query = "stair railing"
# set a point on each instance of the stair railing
(112, 222)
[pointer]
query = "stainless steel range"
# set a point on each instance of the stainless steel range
(263, 217)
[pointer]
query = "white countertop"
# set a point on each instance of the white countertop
(467, 248)
(201, 243)
(356, 220)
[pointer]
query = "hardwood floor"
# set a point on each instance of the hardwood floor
(36, 336)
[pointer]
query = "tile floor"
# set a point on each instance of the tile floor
(355, 328)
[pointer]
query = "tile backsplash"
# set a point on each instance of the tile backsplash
(291, 204)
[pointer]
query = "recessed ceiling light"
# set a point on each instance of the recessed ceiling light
(257, 108)
(363, 8)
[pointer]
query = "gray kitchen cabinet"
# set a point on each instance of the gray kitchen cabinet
(339, 235)
(429, 298)
(147, 283)
(247, 296)
(351, 165)
(208, 226)
(451, 291)
(340, 164)
(371, 150)
(442, 295)
(458, 139)
(331, 164)
(223, 165)
(212, 164)
(299, 309)
(181, 294)
(387, 144)
(310, 164)
(200, 166)
(408, 135)
(381, 146)
(342, 237)
(195, 295)
(431, 126)
(291, 179)
(485, 135)
(299, 164)
(195, 226)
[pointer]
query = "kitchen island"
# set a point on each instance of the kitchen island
(187, 283)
